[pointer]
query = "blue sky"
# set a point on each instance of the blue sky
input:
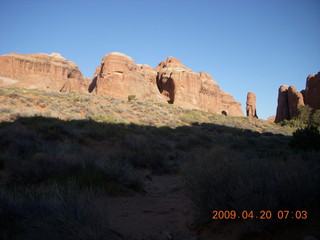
(246, 45)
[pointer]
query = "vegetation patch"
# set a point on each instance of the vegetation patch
(225, 179)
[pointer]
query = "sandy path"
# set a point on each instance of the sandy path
(160, 214)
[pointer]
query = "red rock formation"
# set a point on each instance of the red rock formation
(251, 105)
(312, 92)
(40, 71)
(119, 76)
(289, 99)
(183, 87)
(295, 99)
(283, 105)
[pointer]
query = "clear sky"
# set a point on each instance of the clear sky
(246, 45)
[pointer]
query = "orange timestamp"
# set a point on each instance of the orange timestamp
(263, 214)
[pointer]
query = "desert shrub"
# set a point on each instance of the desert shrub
(304, 114)
(308, 134)
(55, 131)
(121, 171)
(108, 118)
(54, 213)
(52, 162)
(191, 116)
(306, 138)
(100, 131)
(5, 109)
(172, 123)
(13, 95)
(315, 118)
(149, 150)
(231, 180)
(155, 159)
(20, 141)
(131, 97)
(41, 102)
(64, 162)
(35, 151)
(74, 98)
(305, 117)
(135, 141)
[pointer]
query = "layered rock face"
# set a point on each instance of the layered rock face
(251, 105)
(183, 87)
(47, 72)
(119, 76)
(289, 98)
(312, 92)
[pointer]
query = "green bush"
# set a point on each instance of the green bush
(305, 117)
(304, 114)
(315, 119)
(306, 139)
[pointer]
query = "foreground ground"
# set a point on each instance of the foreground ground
(79, 166)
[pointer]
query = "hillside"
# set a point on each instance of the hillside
(16, 102)
(86, 166)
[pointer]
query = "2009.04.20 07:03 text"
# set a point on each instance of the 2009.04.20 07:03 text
(263, 214)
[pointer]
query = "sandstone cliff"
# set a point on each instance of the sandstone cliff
(119, 76)
(185, 88)
(289, 98)
(40, 71)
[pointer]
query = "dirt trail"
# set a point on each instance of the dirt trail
(160, 214)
